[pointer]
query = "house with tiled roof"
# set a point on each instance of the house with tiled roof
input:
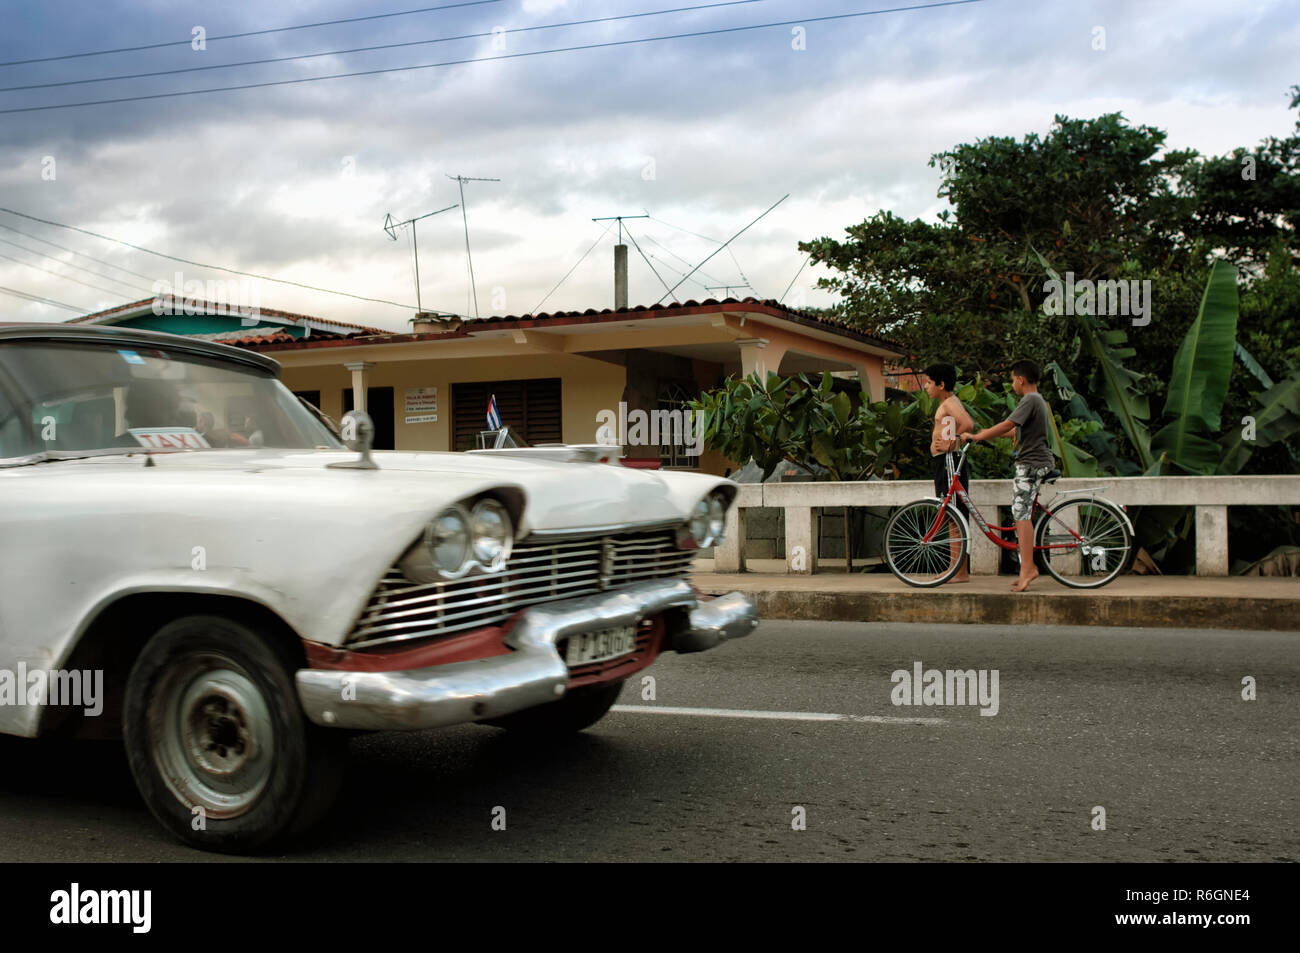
(221, 321)
(556, 377)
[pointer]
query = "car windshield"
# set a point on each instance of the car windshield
(76, 397)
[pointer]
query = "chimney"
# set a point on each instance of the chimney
(431, 322)
(620, 276)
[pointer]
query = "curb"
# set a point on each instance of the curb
(1040, 609)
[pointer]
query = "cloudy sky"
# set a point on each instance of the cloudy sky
(293, 181)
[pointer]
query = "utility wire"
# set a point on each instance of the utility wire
(573, 269)
(686, 230)
(236, 36)
(647, 260)
(676, 272)
(68, 264)
(112, 291)
(729, 241)
(73, 251)
(792, 280)
(39, 300)
(651, 238)
(371, 49)
(482, 59)
(734, 259)
(199, 264)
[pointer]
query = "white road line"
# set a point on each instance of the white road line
(777, 715)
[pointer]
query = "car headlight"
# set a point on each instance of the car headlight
(717, 519)
(699, 524)
(491, 534)
(448, 541)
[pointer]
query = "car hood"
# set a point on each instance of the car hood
(558, 496)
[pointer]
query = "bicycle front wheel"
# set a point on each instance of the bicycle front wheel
(1083, 543)
(926, 544)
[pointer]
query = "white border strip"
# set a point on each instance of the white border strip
(777, 715)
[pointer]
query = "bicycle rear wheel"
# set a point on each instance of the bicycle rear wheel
(923, 546)
(1096, 555)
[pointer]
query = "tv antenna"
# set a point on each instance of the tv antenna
(461, 180)
(391, 228)
(619, 219)
(727, 288)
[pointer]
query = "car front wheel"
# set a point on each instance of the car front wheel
(217, 742)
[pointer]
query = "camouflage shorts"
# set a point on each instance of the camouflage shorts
(1026, 484)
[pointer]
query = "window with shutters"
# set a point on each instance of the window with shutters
(676, 437)
(531, 408)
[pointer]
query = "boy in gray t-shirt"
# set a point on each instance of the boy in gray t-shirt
(1033, 459)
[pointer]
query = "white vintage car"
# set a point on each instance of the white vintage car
(190, 556)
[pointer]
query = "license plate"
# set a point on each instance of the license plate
(600, 646)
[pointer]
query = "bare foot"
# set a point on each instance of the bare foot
(1021, 584)
(960, 577)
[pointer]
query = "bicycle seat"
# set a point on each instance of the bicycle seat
(1052, 476)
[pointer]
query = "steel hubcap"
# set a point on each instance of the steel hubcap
(214, 741)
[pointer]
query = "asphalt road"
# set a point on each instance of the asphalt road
(1148, 724)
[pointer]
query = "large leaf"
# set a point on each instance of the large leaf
(1118, 382)
(1100, 442)
(1278, 418)
(1248, 361)
(1198, 383)
(1188, 452)
(1075, 462)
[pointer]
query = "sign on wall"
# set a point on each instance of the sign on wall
(421, 405)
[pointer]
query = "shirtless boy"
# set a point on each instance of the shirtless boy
(950, 419)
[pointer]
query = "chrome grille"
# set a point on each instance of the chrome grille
(538, 571)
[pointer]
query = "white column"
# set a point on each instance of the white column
(1211, 540)
(730, 556)
(800, 540)
(751, 361)
(360, 379)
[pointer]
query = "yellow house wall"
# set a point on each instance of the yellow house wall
(586, 386)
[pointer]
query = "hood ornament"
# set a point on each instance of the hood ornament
(358, 432)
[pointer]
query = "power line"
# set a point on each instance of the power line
(112, 291)
(199, 264)
(647, 261)
(573, 269)
(73, 251)
(676, 272)
(651, 238)
(39, 300)
(729, 241)
(68, 264)
(236, 36)
(686, 230)
(482, 59)
(792, 280)
(371, 49)
(734, 259)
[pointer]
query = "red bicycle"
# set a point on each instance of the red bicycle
(1083, 542)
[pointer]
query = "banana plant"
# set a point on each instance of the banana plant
(1111, 348)
(1198, 383)
(1278, 419)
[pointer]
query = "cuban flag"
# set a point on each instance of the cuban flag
(493, 418)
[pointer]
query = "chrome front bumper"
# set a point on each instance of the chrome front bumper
(532, 674)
